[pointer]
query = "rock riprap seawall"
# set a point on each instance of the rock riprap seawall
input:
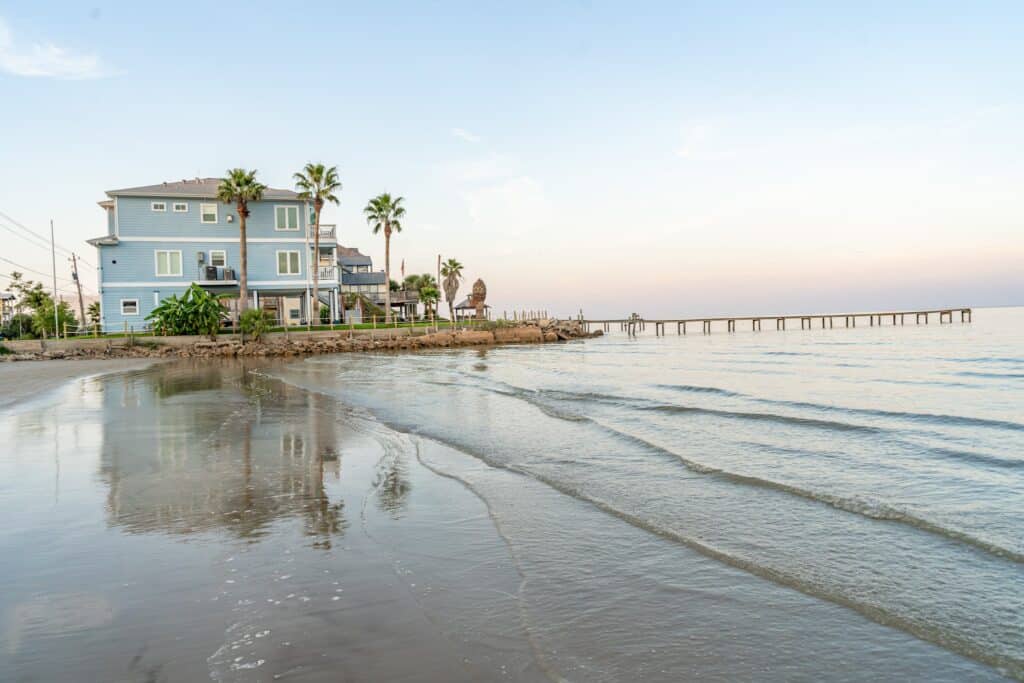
(529, 332)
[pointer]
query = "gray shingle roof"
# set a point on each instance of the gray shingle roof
(465, 303)
(204, 188)
(355, 260)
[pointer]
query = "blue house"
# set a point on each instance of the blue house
(162, 238)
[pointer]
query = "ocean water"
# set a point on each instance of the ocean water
(844, 503)
(841, 505)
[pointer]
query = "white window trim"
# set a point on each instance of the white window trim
(125, 301)
(156, 262)
(277, 259)
(287, 208)
(219, 251)
(162, 205)
(175, 206)
(203, 212)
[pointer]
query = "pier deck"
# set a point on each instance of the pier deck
(634, 325)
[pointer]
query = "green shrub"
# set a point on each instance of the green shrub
(20, 326)
(4, 350)
(255, 322)
(325, 315)
(43, 322)
(196, 312)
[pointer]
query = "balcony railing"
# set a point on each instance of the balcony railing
(328, 273)
(328, 231)
(220, 274)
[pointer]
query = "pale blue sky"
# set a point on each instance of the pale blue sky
(667, 158)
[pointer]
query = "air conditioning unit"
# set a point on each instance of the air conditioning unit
(211, 273)
(229, 274)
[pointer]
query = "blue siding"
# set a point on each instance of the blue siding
(136, 218)
(128, 270)
(136, 261)
(110, 303)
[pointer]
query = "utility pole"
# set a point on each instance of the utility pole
(53, 259)
(78, 283)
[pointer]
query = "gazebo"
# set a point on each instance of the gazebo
(465, 310)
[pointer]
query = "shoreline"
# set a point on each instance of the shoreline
(23, 383)
(532, 332)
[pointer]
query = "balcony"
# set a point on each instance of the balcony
(328, 273)
(328, 232)
(217, 275)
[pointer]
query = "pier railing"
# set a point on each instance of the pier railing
(636, 324)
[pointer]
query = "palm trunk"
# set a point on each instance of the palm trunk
(316, 263)
(387, 273)
(243, 275)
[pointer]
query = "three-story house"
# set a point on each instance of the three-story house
(163, 238)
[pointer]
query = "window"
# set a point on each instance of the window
(218, 257)
(180, 207)
(129, 306)
(287, 263)
(293, 313)
(168, 263)
(158, 206)
(286, 218)
(208, 213)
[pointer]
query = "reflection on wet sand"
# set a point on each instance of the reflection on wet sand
(217, 457)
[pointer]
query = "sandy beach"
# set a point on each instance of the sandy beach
(25, 380)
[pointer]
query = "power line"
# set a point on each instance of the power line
(40, 237)
(31, 270)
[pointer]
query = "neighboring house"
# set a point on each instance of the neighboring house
(162, 238)
(358, 276)
(7, 301)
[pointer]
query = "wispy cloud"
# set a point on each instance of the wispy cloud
(464, 134)
(45, 60)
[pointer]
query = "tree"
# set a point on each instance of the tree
(451, 271)
(384, 213)
(240, 187)
(418, 283)
(429, 296)
(43, 319)
(94, 313)
(317, 183)
(33, 297)
(31, 294)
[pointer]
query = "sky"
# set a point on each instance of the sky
(670, 159)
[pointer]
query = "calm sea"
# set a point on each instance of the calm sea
(842, 505)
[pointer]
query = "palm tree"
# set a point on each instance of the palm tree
(452, 273)
(385, 213)
(429, 296)
(317, 183)
(241, 187)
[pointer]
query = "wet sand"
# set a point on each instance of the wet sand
(196, 523)
(25, 380)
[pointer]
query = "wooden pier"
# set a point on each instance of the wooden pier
(807, 322)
